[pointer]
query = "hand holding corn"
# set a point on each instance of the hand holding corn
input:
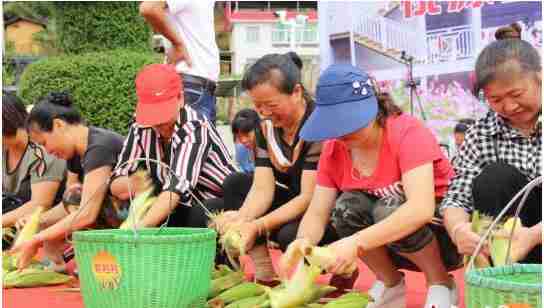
(466, 239)
(294, 253)
(346, 252)
(222, 221)
(26, 243)
(26, 251)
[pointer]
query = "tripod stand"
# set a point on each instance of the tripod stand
(412, 84)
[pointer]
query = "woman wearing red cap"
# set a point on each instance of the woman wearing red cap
(168, 131)
(389, 175)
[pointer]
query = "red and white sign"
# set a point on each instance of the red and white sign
(420, 8)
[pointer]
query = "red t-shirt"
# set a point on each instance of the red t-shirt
(406, 144)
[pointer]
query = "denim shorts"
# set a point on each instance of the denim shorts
(200, 99)
(356, 210)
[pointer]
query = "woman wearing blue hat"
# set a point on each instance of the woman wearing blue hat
(380, 179)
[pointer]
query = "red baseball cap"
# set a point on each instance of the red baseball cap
(159, 89)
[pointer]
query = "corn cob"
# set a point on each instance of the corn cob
(500, 240)
(33, 277)
(324, 257)
(226, 282)
(249, 302)
(8, 264)
(220, 271)
(349, 300)
(300, 289)
(313, 305)
(233, 246)
(241, 291)
(138, 208)
(31, 227)
(27, 232)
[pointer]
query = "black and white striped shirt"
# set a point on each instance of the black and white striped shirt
(198, 157)
(478, 150)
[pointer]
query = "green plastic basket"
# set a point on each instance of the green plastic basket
(157, 268)
(496, 286)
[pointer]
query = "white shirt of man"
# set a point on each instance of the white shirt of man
(194, 22)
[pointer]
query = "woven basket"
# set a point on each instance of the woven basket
(500, 286)
(513, 284)
(150, 268)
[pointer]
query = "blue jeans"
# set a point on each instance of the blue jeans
(200, 99)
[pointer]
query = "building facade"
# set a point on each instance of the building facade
(258, 28)
(443, 38)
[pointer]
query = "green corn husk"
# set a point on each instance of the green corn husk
(241, 291)
(479, 224)
(220, 271)
(226, 282)
(33, 277)
(500, 240)
(349, 300)
(138, 208)
(233, 246)
(9, 263)
(249, 302)
(301, 289)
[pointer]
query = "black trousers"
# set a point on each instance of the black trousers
(496, 186)
(236, 188)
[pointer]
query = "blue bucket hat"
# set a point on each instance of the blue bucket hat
(345, 102)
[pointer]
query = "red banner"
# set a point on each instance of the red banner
(420, 8)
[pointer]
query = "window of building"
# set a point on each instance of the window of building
(252, 34)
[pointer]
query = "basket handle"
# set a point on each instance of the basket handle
(172, 174)
(525, 191)
(134, 228)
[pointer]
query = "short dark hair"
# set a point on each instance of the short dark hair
(55, 105)
(13, 114)
(245, 121)
(463, 125)
(495, 58)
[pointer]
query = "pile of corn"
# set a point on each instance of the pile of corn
(35, 275)
(499, 239)
(229, 289)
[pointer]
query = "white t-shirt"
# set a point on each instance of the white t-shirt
(194, 22)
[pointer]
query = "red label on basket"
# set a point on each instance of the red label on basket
(106, 270)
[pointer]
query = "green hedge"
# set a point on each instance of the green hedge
(101, 83)
(95, 26)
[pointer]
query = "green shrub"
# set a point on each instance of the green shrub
(101, 83)
(95, 26)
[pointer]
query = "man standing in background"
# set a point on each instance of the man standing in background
(189, 27)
